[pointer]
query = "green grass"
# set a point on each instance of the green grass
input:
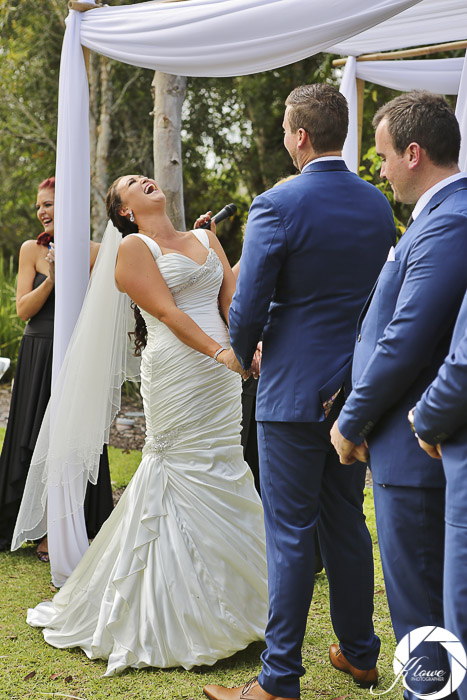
(24, 581)
(123, 465)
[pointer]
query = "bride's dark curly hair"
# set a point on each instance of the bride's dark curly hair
(113, 202)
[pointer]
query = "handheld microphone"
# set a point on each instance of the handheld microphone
(228, 210)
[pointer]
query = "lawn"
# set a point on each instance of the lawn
(32, 669)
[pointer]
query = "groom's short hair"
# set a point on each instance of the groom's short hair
(322, 111)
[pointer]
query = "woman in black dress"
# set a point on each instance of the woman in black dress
(35, 303)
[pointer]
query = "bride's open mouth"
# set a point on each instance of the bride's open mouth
(149, 188)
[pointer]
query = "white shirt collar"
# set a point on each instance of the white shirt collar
(426, 196)
(322, 158)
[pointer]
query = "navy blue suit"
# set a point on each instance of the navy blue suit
(402, 338)
(441, 417)
(313, 249)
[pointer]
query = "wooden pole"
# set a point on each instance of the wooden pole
(83, 6)
(407, 53)
(360, 101)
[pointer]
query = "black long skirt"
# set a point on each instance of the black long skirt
(29, 399)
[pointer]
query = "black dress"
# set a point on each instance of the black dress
(29, 399)
(248, 434)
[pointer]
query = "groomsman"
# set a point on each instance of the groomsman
(402, 338)
(313, 249)
(440, 421)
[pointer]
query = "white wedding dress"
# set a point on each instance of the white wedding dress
(177, 574)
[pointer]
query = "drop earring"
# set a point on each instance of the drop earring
(132, 218)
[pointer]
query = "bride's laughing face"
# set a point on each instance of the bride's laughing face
(140, 195)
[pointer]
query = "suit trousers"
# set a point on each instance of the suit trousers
(410, 524)
(304, 486)
(455, 555)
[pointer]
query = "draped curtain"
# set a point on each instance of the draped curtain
(447, 76)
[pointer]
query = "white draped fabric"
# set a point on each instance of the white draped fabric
(427, 22)
(202, 38)
(461, 114)
(442, 76)
(67, 543)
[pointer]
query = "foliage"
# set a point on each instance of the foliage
(29, 62)
(370, 171)
(32, 35)
(232, 140)
(11, 327)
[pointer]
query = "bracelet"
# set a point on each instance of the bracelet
(217, 353)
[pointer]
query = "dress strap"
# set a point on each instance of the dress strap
(151, 244)
(202, 236)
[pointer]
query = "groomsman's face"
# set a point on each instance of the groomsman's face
(395, 167)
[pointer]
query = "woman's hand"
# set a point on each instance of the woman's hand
(203, 219)
(50, 258)
(227, 358)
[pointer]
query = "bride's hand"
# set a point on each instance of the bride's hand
(227, 358)
(203, 219)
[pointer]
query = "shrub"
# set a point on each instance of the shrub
(11, 327)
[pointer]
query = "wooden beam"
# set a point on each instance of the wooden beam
(360, 101)
(407, 53)
(82, 6)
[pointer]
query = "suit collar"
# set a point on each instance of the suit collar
(325, 166)
(439, 197)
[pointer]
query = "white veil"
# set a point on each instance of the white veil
(83, 404)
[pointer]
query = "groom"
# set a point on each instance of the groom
(313, 249)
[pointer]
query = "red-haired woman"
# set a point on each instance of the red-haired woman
(35, 301)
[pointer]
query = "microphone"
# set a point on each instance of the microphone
(228, 210)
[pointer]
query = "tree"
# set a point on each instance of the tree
(169, 95)
(233, 141)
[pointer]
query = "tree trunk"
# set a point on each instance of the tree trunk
(93, 79)
(99, 163)
(169, 94)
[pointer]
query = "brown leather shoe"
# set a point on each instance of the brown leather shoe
(250, 691)
(364, 679)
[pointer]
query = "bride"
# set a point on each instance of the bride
(177, 574)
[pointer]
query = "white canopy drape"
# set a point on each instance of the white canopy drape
(198, 38)
(428, 22)
(441, 75)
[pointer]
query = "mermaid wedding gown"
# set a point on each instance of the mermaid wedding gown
(177, 574)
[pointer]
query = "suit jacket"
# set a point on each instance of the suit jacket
(403, 336)
(442, 410)
(441, 416)
(313, 248)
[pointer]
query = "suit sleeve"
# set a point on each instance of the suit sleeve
(264, 250)
(426, 307)
(443, 407)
